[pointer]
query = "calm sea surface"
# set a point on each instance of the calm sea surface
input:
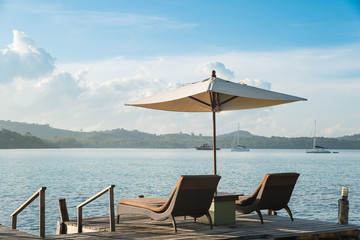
(78, 174)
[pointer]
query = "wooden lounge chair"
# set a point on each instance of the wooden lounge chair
(273, 194)
(192, 196)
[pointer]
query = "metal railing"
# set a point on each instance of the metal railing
(109, 189)
(41, 194)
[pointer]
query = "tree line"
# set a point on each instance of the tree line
(121, 138)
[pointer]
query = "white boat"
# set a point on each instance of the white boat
(236, 147)
(316, 148)
(240, 148)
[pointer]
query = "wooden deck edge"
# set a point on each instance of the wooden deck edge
(69, 227)
(352, 232)
(248, 227)
(7, 232)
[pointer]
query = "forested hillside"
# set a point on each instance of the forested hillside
(41, 136)
(39, 130)
(10, 140)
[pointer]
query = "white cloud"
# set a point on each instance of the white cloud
(22, 45)
(60, 85)
(91, 95)
(135, 87)
(333, 129)
(32, 91)
(257, 83)
(23, 59)
(221, 70)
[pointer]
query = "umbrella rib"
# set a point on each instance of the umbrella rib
(198, 100)
(230, 99)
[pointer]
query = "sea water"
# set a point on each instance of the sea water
(78, 174)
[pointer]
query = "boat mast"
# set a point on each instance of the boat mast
(314, 144)
(238, 135)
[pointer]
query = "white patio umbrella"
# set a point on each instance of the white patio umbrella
(214, 95)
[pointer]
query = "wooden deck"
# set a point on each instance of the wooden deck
(246, 227)
(8, 233)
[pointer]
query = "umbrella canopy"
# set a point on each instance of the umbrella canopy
(214, 95)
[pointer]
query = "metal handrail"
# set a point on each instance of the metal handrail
(41, 194)
(109, 189)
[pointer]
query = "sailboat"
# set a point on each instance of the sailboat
(316, 148)
(236, 147)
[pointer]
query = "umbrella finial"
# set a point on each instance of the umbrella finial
(213, 74)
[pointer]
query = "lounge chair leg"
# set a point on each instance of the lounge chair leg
(209, 219)
(117, 218)
(289, 212)
(260, 215)
(173, 223)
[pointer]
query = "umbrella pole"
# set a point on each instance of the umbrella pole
(214, 141)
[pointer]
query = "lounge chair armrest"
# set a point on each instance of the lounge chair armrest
(245, 200)
(153, 204)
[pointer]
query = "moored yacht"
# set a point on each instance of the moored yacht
(316, 148)
(236, 147)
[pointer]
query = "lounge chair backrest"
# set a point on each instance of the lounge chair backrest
(195, 194)
(276, 190)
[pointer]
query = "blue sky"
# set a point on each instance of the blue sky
(73, 64)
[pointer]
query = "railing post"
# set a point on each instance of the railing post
(343, 215)
(111, 208)
(42, 212)
(79, 219)
(13, 221)
(63, 210)
(41, 194)
(109, 189)
(62, 228)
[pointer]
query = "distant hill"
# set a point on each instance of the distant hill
(121, 138)
(355, 137)
(243, 134)
(9, 140)
(39, 130)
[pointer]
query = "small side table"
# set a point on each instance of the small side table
(222, 209)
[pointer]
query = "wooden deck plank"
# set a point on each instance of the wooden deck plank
(246, 227)
(7, 232)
